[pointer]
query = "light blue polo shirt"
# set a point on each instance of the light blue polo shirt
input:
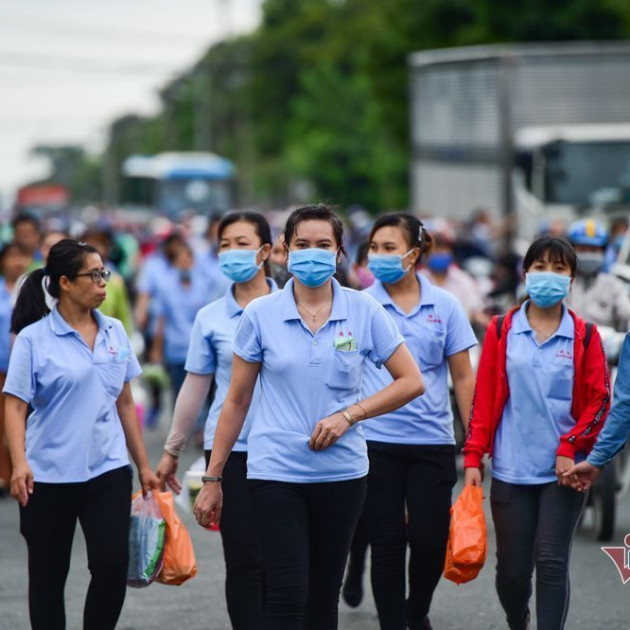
(434, 330)
(538, 410)
(210, 352)
(155, 268)
(305, 377)
(179, 304)
(74, 432)
(6, 310)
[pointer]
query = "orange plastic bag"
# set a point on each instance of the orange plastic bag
(179, 556)
(467, 540)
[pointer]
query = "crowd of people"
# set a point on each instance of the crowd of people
(311, 362)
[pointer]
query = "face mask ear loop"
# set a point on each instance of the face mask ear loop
(262, 261)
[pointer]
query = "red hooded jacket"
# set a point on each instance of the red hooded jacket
(591, 392)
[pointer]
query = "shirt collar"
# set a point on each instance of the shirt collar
(339, 306)
(520, 323)
(60, 327)
(232, 307)
(427, 292)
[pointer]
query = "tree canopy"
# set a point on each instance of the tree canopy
(318, 94)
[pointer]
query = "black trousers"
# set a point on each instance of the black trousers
(534, 527)
(102, 507)
(413, 481)
(241, 551)
(305, 534)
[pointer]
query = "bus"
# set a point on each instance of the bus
(174, 183)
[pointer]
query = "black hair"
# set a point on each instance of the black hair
(314, 212)
(8, 247)
(171, 244)
(558, 249)
(26, 217)
(65, 259)
(362, 252)
(411, 227)
(258, 221)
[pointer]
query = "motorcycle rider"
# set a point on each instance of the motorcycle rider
(596, 296)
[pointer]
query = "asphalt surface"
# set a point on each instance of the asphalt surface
(599, 599)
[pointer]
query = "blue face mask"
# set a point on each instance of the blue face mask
(388, 268)
(440, 262)
(313, 267)
(547, 289)
(239, 265)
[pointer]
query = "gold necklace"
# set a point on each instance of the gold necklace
(313, 315)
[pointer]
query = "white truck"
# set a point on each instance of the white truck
(534, 132)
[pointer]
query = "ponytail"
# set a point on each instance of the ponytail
(31, 302)
(64, 259)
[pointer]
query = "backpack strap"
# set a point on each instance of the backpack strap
(588, 333)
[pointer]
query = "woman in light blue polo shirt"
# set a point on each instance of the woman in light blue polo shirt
(180, 295)
(244, 249)
(69, 455)
(412, 449)
(541, 398)
(307, 459)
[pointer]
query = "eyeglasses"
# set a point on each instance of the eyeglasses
(96, 275)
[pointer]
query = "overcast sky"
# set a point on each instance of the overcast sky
(68, 67)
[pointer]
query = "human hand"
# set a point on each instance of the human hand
(563, 464)
(22, 483)
(166, 473)
(148, 480)
(209, 504)
(473, 477)
(582, 476)
(328, 431)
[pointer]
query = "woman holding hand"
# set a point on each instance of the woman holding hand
(541, 398)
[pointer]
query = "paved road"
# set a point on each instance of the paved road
(599, 599)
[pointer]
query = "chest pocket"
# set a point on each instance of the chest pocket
(430, 348)
(559, 380)
(112, 373)
(345, 370)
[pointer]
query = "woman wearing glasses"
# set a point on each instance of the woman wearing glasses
(69, 454)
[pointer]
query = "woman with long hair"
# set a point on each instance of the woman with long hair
(72, 367)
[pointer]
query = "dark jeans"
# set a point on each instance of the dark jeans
(243, 561)
(305, 531)
(413, 481)
(534, 527)
(102, 507)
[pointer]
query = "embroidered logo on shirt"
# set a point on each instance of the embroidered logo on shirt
(564, 354)
(120, 354)
(433, 319)
(345, 342)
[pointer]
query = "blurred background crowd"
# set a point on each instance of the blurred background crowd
(492, 125)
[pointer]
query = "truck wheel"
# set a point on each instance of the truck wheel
(604, 504)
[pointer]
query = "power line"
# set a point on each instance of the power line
(76, 64)
(89, 30)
